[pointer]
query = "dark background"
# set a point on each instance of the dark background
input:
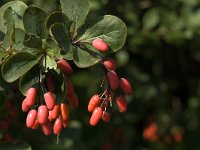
(161, 58)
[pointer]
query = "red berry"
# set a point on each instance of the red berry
(70, 87)
(53, 114)
(25, 107)
(106, 116)
(58, 125)
(64, 66)
(100, 45)
(31, 117)
(49, 100)
(113, 79)
(50, 84)
(31, 96)
(43, 114)
(73, 98)
(96, 116)
(47, 128)
(121, 103)
(125, 86)
(110, 64)
(64, 111)
(94, 102)
(36, 124)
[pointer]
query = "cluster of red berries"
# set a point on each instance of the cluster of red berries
(150, 133)
(99, 105)
(45, 114)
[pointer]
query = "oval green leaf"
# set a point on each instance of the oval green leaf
(109, 28)
(34, 21)
(17, 65)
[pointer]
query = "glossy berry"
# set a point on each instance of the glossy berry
(31, 96)
(42, 114)
(58, 125)
(49, 100)
(50, 84)
(106, 116)
(31, 117)
(47, 128)
(25, 107)
(96, 116)
(53, 114)
(110, 64)
(113, 79)
(100, 45)
(36, 124)
(94, 102)
(125, 86)
(121, 103)
(64, 66)
(73, 98)
(64, 111)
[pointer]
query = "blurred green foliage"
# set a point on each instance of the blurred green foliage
(161, 58)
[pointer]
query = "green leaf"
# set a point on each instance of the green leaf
(57, 17)
(18, 7)
(17, 65)
(53, 49)
(151, 19)
(17, 146)
(60, 86)
(58, 31)
(19, 36)
(29, 79)
(76, 10)
(109, 28)
(2, 55)
(34, 21)
(49, 63)
(9, 21)
(33, 41)
(84, 59)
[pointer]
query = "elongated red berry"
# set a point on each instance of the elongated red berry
(100, 45)
(58, 125)
(70, 87)
(121, 103)
(73, 98)
(47, 128)
(49, 100)
(64, 111)
(125, 85)
(31, 117)
(96, 116)
(113, 79)
(36, 124)
(50, 84)
(64, 66)
(42, 114)
(110, 64)
(31, 96)
(25, 107)
(106, 116)
(94, 102)
(53, 114)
